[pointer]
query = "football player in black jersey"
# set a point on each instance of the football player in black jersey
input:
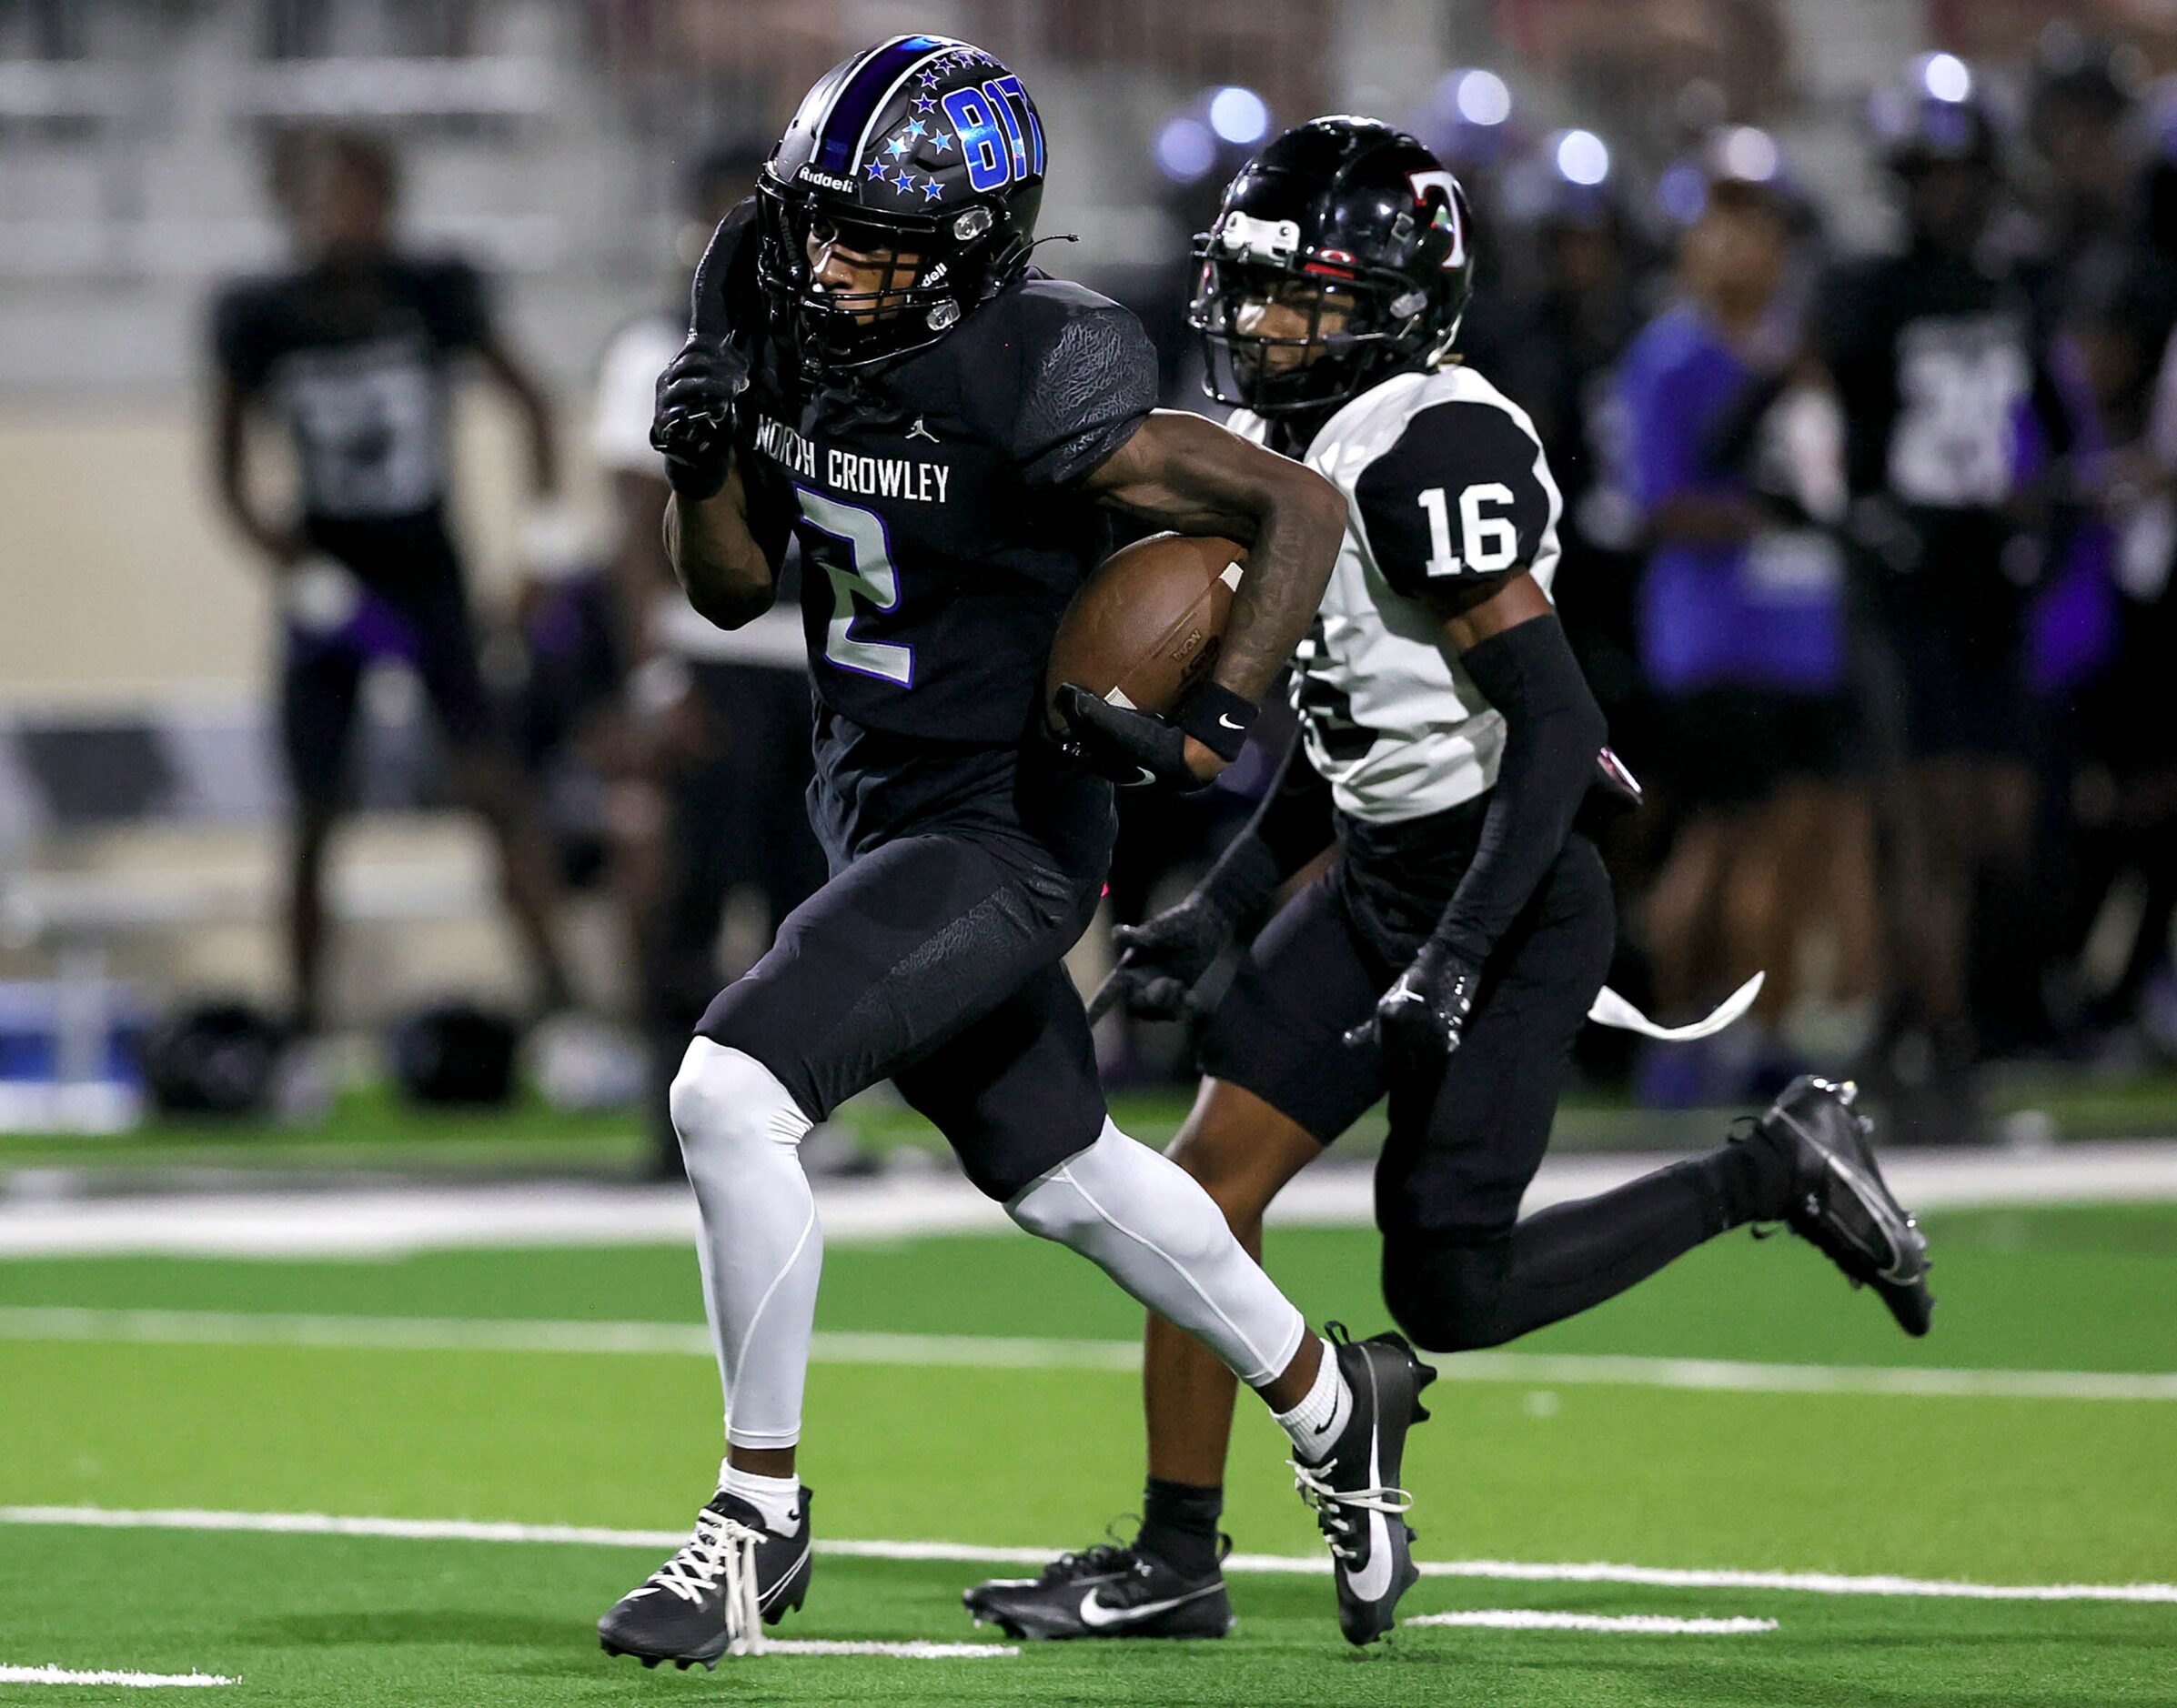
(357, 350)
(1940, 364)
(1459, 936)
(875, 367)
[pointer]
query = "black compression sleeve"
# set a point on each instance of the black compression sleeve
(1292, 825)
(1553, 730)
(1294, 819)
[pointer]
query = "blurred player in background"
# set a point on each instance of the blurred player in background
(1940, 362)
(1459, 936)
(1743, 639)
(356, 352)
(715, 795)
(876, 367)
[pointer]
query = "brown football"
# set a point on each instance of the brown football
(1145, 628)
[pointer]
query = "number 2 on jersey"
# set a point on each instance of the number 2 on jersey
(855, 551)
(1491, 542)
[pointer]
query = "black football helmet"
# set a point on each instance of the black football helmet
(1359, 217)
(923, 147)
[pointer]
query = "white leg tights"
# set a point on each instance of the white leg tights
(761, 1249)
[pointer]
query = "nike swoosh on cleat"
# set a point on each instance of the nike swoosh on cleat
(1373, 1583)
(1098, 1617)
(1225, 721)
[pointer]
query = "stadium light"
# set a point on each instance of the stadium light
(1482, 98)
(1945, 76)
(1748, 154)
(1239, 115)
(1186, 151)
(1582, 157)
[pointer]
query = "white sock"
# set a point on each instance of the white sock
(779, 1499)
(1322, 1413)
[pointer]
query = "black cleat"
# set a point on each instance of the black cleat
(1112, 1590)
(1354, 1486)
(708, 1597)
(1840, 1202)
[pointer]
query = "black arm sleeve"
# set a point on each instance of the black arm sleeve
(1552, 731)
(1292, 824)
(1294, 820)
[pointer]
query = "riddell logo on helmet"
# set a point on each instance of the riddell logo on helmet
(828, 180)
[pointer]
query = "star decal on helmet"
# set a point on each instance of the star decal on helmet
(923, 104)
(896, 146)
(940, 141)
(916, 129)
(932, 190)
(905, 179)
(875, 170)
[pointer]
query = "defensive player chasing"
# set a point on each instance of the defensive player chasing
(875, 367)
(1452, 949)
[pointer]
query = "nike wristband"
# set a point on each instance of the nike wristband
(1219, 719)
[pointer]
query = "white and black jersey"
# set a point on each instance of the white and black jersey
(1445, 482)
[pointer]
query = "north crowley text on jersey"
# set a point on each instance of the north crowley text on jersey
(915, 478)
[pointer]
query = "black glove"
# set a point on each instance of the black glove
(1131, 748)
(693, 426)
(1163, 957)
(1422, 1017)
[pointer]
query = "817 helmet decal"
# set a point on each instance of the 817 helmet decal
(922, 150)
(1342, 216)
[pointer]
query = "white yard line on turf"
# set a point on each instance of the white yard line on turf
(905, 1650)
(967, 1554)
(342, 1221)
(133, 1681)
(444, 1334)
(1642, 1624)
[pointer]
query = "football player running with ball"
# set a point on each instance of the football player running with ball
(875, 367)
(1452, 949)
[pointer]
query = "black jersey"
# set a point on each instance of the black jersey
(1937, 364)
(356, 358)
(937, 503)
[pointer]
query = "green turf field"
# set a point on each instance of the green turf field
(451, 1412)
(368, 1127)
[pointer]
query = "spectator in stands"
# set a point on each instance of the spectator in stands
(1553, 347)
(355, 351)
(2126, 791)
(1742, 637)
(1941, 365)
(715, 800)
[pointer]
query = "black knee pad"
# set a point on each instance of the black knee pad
(1446, 1292)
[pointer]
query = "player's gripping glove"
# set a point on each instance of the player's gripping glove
(1135, 749)
(1422, 1017)
(1162, 959)
(693, 426)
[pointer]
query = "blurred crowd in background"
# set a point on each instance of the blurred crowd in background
(1849, 333)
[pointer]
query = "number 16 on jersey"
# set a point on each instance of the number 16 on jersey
(1489, 541)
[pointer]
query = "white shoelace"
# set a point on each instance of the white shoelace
(1315, 1489)
(722, 1555)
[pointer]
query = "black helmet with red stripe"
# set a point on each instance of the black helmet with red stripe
(921, 146)
(1363, 229)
